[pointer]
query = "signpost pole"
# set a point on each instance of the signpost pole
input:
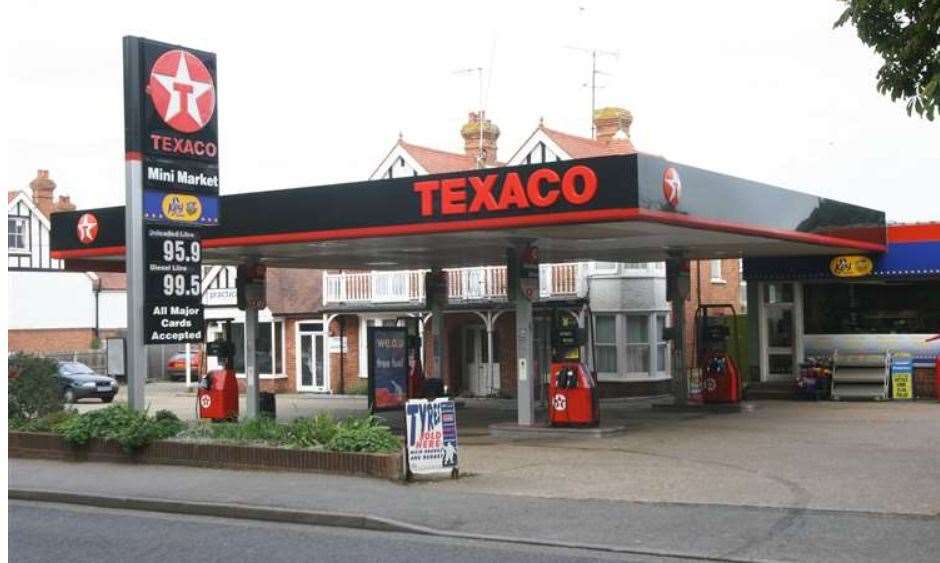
(133, 231)
(252, 382)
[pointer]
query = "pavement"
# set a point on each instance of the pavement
(691, 531)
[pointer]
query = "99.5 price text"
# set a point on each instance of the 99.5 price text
(181, 285)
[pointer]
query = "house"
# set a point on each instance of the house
(50, 310)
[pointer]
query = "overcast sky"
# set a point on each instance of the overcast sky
(317, 94)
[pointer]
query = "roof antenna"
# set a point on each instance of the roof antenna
(595, 53)
(481, 155)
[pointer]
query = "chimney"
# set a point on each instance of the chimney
(42, 188)
(471, 138)
(64, 203)
(612, 123)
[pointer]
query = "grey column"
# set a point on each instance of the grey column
(251, 373)
(437, 334)
(136, 363)
(525, 376)
(680, 379)
(489, 350)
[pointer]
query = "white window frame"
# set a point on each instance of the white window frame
(653, 342)
(23, 231)
(618, 338)
(714, 267)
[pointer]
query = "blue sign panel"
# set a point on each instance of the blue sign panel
(181, 208)
(388, 367)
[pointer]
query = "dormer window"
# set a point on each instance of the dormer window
(17, 234)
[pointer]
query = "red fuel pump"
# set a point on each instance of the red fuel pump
(217, 397)
(572, 390)
(721, 380)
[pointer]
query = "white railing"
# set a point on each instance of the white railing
(484, 283)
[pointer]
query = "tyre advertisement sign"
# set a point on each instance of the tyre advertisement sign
(388, 367)
(431, 434)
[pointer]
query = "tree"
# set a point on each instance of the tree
(906, 33)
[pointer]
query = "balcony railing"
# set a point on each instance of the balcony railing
(484, 283)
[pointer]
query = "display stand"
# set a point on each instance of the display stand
(860, 376)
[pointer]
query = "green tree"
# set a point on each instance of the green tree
(906, 33)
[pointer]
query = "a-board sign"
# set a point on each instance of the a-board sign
(431, 436)
(902, 379)
(172, 149)
(388, 367)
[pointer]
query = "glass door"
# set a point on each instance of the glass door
(311, 371)
(778, 332)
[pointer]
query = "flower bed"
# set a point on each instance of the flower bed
(42, 445)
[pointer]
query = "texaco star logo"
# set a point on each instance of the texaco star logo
(87, 228)
(559, 402)
(182, 91)
(672, 187)
(205, 401)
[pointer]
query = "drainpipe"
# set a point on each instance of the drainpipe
(342, 354)
(97, 290)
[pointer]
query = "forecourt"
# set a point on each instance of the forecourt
(624, 208)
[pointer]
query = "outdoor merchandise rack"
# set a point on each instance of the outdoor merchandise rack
(860, 376)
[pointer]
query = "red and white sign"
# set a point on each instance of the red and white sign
(182, 91)
(205, 401)
(559, 402)
(672, 187)
(87, 228)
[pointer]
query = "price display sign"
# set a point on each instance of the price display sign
(173, 308)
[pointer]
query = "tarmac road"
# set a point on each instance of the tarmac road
(40, 532)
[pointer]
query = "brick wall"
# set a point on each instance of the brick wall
(344, 368)
(50, 340)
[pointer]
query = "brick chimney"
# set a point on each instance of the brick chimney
(64, 203)
(612, 123)
(471, 138)
(42, 188)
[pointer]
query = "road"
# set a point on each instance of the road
(41, 532)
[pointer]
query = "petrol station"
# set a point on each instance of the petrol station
(625, 208)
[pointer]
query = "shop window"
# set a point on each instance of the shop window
(605, 343)
(868, 308)
(16, 234)
(638, 344)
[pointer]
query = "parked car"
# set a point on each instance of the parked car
(176, 366)
(79, 381)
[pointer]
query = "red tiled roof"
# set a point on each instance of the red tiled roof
(583, 147)
(111, 281)
(437, 161)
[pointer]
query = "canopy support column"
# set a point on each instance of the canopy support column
(252, 383)
(677, 288)
(525, 386)
(437, 331)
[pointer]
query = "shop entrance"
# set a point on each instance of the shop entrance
(475, 353)
(779, 342)
(312, 373)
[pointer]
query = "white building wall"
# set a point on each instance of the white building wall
(44, 300)
(112, 310)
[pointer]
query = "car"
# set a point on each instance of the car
(176, 366)
(78, 381)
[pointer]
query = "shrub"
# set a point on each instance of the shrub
(311, 432)
(33, 388)
(47, 423)
(131, 429)
(363, 434)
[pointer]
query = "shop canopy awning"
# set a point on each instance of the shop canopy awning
(614, 208)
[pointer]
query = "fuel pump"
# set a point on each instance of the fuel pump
(721, 380)
(572, 390)
(217, 396)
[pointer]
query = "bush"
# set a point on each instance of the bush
(311, 432)
(131, 429)
(47, 423)
(363, 434)
(33, 388)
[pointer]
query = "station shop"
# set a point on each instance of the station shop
(857, 306)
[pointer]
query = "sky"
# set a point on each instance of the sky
(313, 93)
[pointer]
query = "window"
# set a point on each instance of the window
(638, 344)
(869, 308)
(605, 343)
(715, 266)
(269, 348)
(17, 233)
(661, 345)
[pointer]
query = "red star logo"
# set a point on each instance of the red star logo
(672, 186)
(181, 90)
(87, 228)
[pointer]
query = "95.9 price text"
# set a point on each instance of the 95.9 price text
(181, 251)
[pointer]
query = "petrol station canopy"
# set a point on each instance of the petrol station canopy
(620, 208)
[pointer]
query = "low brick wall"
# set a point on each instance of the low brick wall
(225, 456)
